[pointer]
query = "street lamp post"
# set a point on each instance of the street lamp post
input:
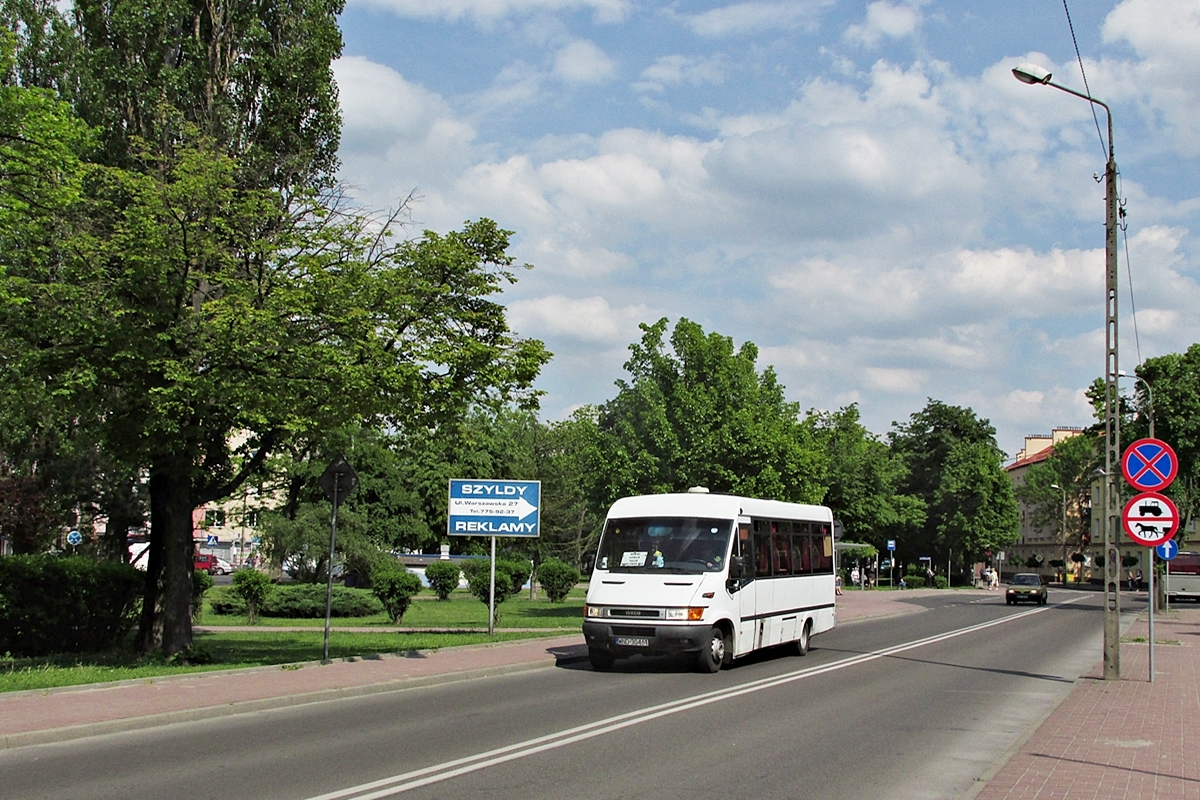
(1033, 74)
(1064, 530)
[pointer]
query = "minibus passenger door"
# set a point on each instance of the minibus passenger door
(744, 597)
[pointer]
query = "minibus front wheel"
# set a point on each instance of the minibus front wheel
(713, 655)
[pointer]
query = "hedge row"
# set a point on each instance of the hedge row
(66, 605)
(300, 601)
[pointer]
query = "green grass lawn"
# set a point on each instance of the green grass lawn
(462, 610)
(235, 649)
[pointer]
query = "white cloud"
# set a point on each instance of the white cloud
(396, 135)
(893, 20)
(1165, 77)
(590, 319)
(582, 62)
(488, 11)
(676, 69)
(756, 17)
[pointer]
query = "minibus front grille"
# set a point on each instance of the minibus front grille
(634, 612)
(630, 630)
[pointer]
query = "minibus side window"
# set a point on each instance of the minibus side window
(782, 545)
(762, 549)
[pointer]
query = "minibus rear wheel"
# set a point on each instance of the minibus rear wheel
(801, 644)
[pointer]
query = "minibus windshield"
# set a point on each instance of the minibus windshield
(686, 545)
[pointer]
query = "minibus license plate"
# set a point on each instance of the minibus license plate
(633, 641)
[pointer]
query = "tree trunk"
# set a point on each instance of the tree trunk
(150, 625)
(167, 617)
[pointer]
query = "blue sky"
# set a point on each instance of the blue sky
(861, 189)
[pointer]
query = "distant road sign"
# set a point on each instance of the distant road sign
(210, 540)
(891, 544)
(494, 508)
(1167, 550)
(1150, 465)
(74, 538)
(1150, 519)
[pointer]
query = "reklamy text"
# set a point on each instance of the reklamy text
(469, 526)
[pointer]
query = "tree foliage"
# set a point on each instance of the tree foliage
(701, 414)
(954, 466)
(864, 479)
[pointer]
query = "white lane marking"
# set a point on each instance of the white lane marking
(387, 787)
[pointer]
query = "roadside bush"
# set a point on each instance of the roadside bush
(940, 582)
(443, 578)
(201, 583)
(914, 581)
(394, 586)
(307, 601)
(222, 600)
(509, 577)
(66, 605)
(253, 587)
(557, 579)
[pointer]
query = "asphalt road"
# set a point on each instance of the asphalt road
(917, 706)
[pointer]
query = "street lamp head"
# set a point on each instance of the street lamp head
(1030, 73)
(1055, 486)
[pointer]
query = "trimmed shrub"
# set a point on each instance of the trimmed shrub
(518, 572)
(201, 583)
(443, 578)
(557, 579)
(253, 587)
(307, 601)
(394, 587)
(222, 600)
(66, 605)
(509, 577)
(940, 582)
(914, 581)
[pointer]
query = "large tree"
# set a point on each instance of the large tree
(864, 478)
(699, 412)
(954, 466)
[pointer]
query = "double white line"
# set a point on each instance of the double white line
(387, 787)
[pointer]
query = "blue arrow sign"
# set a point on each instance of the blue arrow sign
(494, 508)
(1167, 550)
(1150, 465)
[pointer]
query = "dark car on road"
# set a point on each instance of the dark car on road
(1026, 586)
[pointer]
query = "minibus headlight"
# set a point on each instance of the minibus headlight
(692, 614)
(595, 611)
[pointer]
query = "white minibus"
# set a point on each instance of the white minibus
(715, 575)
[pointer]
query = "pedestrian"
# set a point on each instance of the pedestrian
(854, 577)
(929, 577)
(837, 584)
(1138, 578)
(995, 582)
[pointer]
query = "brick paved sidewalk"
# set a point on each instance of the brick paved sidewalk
(1120, 740)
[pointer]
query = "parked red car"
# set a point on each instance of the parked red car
(206, 562)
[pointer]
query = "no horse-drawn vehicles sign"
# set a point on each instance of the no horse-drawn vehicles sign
(1150, 519)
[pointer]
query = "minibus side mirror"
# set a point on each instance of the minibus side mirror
(737, 568)
(588, 563)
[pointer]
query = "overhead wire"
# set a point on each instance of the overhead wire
(1123, 223)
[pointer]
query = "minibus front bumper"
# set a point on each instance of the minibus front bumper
(625, 639)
